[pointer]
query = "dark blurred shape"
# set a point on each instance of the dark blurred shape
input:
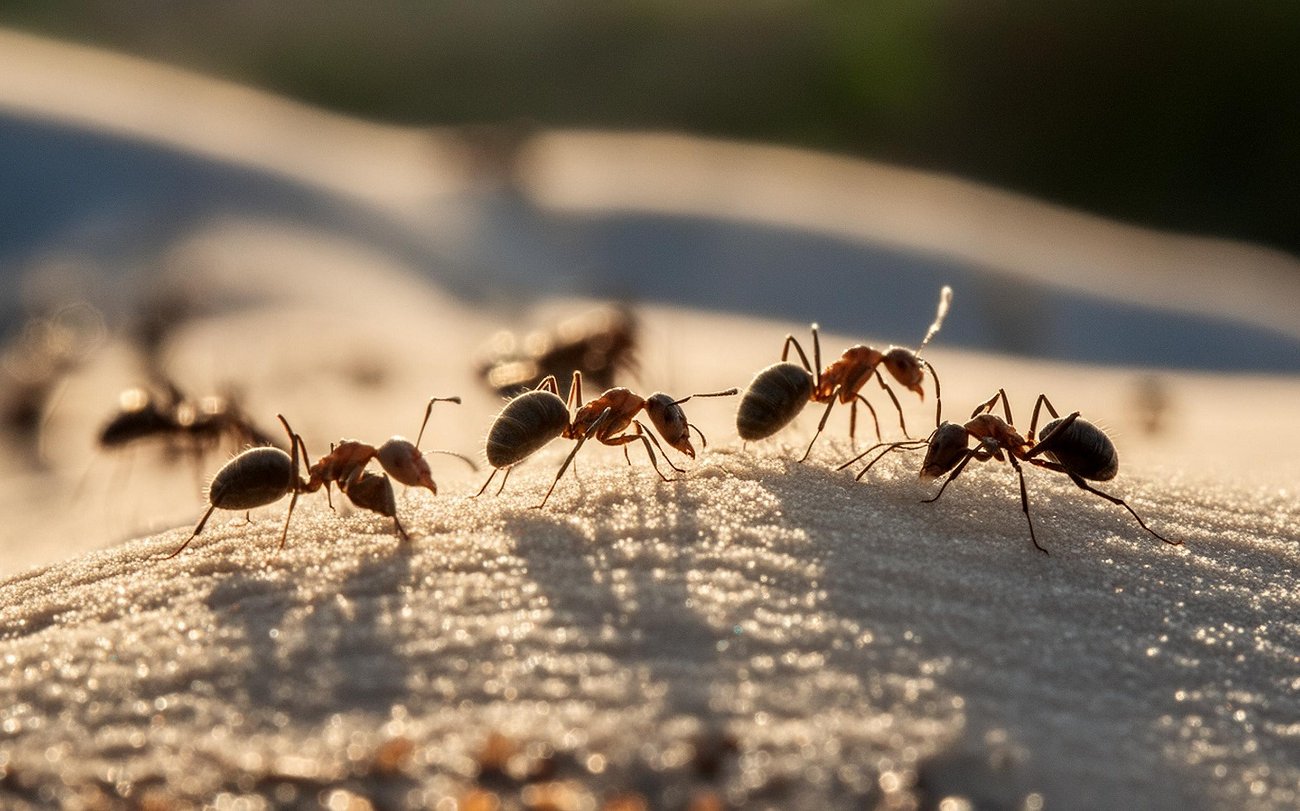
(1151, 402)
(1174, 114)
(46, 350)
(599, 343)
(162, 412)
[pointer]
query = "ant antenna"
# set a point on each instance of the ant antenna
(429, 410)
(945, 299)
(726, 393)
(462, 457)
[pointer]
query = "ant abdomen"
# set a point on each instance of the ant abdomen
(1083, 449)
(527, 422)
(775, 396)
(254, 478)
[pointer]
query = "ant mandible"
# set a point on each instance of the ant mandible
(1072, 446)
(534, 418)
(778, 393)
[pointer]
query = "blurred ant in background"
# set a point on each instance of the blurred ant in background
(778, 393)
(35, 364)
(163, 411)
(534, 418)
(600, 343)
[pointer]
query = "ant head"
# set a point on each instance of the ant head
(404, 462)
(670, 421)
(905, 367)
(947, 447)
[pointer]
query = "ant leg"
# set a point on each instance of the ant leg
(1078, 480)
(1024, 501)
(853, 413)
(197, 529)
(1043, 444)
(644, 432)
(482, 489)
(401, 532)
(817, 355)
(1034, 423)
(790, 341)
(549, 384)
(503, 480)
(704, 443)
(284, 534)
(987, 408)
(646, 439)
(897, 405)
(864, 453)
(970, 454)
(575, 392)
(820, 425)
(913, 445)
(595, 426)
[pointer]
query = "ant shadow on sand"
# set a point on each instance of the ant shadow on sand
(1088, 645)
(331, 651)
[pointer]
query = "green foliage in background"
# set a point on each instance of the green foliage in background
(1176, 113)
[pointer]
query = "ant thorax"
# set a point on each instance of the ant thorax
(850, 373)
(990, 427)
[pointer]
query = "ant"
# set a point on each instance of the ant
(255, 478)
(536, 417)
(778, 393)
(399, 457)
(599, 343)
(164, 411)
(262, 475)
(1072, 446)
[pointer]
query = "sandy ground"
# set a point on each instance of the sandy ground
(758, 633)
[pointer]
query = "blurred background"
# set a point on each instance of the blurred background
(1172, 114)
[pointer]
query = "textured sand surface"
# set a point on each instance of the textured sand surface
(758, 633)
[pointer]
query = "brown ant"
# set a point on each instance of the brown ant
(599, 343)
(402, 459)
(536, 417)
(262, 475)
(778, 393)
(1072, 446)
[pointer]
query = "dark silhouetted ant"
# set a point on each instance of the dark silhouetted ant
(534, 418)
(599, 343)
(164, 412)
(260, 476)
(255, 478)
(1072, 446)
(778, 393)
